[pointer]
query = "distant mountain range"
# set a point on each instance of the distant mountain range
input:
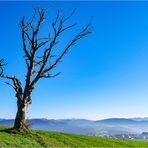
(106, 127)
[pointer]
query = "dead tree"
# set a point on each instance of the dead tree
(40, 57)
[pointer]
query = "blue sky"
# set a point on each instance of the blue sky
(104, 75)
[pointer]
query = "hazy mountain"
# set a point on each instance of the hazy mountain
(8, 122)
(140, 119)
(116, 121)
(82, 122)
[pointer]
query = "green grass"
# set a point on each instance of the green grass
(55, 139)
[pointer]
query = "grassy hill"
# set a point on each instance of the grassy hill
(55, 139)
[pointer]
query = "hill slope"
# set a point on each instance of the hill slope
(55, 139)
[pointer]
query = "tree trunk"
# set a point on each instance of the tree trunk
(20, 120)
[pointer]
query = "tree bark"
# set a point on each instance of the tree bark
(20, 120)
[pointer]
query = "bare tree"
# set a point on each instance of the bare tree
(40, 57)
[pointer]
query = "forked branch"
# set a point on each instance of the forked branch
(41, 56)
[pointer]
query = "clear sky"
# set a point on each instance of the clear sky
(104, 75)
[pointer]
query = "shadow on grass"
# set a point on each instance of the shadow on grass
(11, 130)
(7, 130)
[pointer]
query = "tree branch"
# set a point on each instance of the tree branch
(1, 66)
